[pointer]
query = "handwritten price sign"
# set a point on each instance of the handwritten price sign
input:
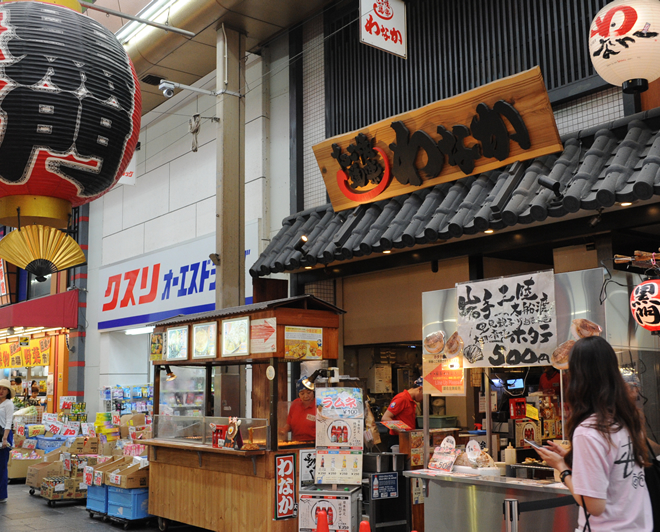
(89, 475)
(116, 419)
(55, 427)
(20, 430)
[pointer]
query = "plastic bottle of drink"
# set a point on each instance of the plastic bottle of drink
(375, 488)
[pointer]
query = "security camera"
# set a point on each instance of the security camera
(167, 87)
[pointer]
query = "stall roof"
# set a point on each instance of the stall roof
(613, 162)
(306, 301)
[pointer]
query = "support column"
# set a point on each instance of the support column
(230, 170)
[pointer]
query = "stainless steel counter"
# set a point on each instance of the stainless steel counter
(466, 503)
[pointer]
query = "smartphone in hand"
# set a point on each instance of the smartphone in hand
(532, 443)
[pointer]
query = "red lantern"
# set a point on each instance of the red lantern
(70, 110)
(645, 304)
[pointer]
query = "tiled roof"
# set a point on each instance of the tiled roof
(613, 162)
(306, 301)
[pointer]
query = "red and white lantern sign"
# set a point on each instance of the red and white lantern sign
(286, 501)
(645, 304)
(383, 25)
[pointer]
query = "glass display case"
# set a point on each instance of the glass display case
(254, 433)
(184, 395)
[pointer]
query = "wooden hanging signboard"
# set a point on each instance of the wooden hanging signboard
(488, 127)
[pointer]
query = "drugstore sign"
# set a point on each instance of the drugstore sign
(492, 126)
(159, 285)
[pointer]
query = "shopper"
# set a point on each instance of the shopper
(403, 407)
(6, 414)
(604, 469)
(34, 399)
(301, 420)
(17, 388)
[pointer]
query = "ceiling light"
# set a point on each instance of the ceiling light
(387, 251)
(139, 330)
(308, 267)
(489, 231)
(151, 12)
(626, 204)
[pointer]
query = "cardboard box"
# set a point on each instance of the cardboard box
(37, 473)
(139, 433)
(83, 445)
(62, 490)
(129, 476)
(131, 420)
(17, 468)
(100, 472)
(78, 464)
(105, 449)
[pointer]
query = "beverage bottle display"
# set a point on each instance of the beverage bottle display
(345, 434)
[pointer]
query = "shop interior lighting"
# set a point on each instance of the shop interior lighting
(139, 330)
(387, 251)
(489, 231)
(170, 374)
(626, 204)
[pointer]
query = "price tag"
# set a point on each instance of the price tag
(98, 478)
(89, 475)
(473, 450)
(114, 479)
(20, 430)
(69, 430)
(48, 418)
(60, 487)
(55, 427)
(29, 444)
(116, 419)
(448, 443)
(66, 461)
(82, 486)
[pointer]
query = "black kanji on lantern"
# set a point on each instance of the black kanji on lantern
(67, 96)
(361, 163)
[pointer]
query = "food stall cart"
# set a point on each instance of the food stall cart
(229, 488)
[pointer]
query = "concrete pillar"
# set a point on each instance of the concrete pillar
(230, 170)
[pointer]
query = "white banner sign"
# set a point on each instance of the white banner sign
(383, 25)
(156, 286)
(509, 321)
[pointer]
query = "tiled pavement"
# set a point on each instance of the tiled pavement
(25, 513)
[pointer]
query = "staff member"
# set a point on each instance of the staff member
(6, 414)
(34, 399)
(301, 420)
(404, 407)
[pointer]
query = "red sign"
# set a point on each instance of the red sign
(645, 304)
(286, 502)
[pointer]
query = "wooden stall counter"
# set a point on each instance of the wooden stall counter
(213, 488)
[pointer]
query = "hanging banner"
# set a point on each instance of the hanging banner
(509, 321)
(339, 435)
(383, 25)
(36, 353)
(443, 377)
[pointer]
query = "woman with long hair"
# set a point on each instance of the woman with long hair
(604, 470)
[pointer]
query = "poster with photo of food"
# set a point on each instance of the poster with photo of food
(303, 343)
(177, 343)
(235, 337)
(204, 340)
(157, 348)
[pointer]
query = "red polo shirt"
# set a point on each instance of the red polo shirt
(403, 408)
(302, 421)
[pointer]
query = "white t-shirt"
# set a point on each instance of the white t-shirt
(608, 471)
(6, 413)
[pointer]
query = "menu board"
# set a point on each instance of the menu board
(339, 435)
(177, 343)
(508, 321)
(204, 340)
(235, 337)
(157, 346)
(303, 343)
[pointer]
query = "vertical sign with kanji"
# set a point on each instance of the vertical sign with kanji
(383, 25)
(509, 321)
(286, 505)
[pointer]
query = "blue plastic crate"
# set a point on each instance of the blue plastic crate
(129, 504)
(49, 443)
(97, 499)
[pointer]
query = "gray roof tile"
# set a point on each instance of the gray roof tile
(598, 167)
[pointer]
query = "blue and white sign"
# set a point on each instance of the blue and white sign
(159, 285)
(385, 486)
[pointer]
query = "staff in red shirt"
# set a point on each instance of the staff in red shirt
(404, 406)
(301, 420)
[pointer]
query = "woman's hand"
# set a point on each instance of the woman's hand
(561, 451)
(553, 459)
